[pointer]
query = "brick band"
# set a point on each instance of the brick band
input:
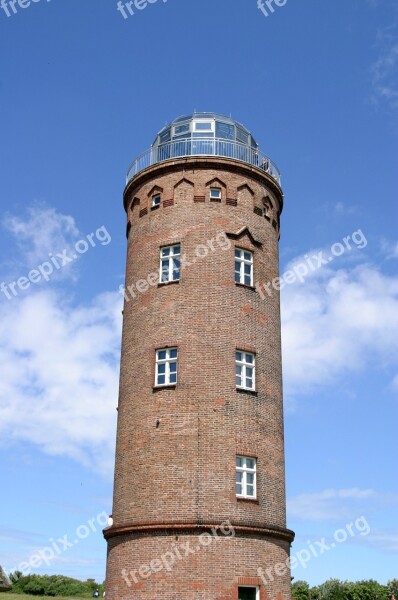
(266, 530)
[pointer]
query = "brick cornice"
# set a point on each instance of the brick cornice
(203, 162)
(245, 528)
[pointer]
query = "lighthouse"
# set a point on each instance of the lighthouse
(199, 507)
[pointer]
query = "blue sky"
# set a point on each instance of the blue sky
(83, 91)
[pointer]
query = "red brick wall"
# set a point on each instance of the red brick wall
(176, 448)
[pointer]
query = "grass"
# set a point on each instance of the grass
(7, 596)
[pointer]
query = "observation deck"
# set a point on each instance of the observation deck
(205, 134)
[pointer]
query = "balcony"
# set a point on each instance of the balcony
(204, 146)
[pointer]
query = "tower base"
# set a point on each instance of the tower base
(208, 563)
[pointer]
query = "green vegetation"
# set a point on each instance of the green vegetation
(43, 586)
(334, 589)
(11, 596)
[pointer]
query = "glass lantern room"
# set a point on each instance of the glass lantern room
(205, 134)
(208, 125)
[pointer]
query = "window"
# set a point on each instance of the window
(225, 131)
(165, 136)
(249, 593)
(242, 136)
(179, 129)
(166, 366)
(203, 125)
(245, 370)
(170, 263)
(215, 194)
(243, 266)
(156, 200)
(245, 477)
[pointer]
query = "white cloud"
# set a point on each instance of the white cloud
(384, 70)
(60, 375)
(384, 539)
(335, 323)
(342, 210)
(41, 232)
(334, 504)
(389, 248)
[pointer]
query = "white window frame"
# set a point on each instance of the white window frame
(218, 196)
(242, 260)
(244, 364)
(174, 253)
(204, 131)
(186, 132)
(245, 470)
(167, 361)
(154, 202)
(255, 587)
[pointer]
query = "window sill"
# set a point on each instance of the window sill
(250, 500)
(157, 388)
(245, 391)
(243, 285)
(155, 207)
(164, 283)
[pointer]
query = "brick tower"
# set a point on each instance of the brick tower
(199, 496)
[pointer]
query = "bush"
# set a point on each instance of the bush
(52, 585)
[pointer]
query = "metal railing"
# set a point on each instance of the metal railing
(204, 147)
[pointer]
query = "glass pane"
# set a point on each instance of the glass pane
(239, 356)
(162, 368)
(239, 461)
(239, 476)
(250, 463)
(250, 478)
(238, 489)
(249, 358)
(179, 151)
(225, 131)
(161, 354)
(249, 372)
(165, 136)
(173, 353)
(242, 136)
(176, 264)
(161, 379)
(237, 277)
(165, 251)
(248, 269)
(248, 280)
(182, 118)
(237, 253)
(181, 129)
(249, 384)
(173, 367)
(203, 126)
(176, 250)
(249, 490)
(247, 255)
(173, 377)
